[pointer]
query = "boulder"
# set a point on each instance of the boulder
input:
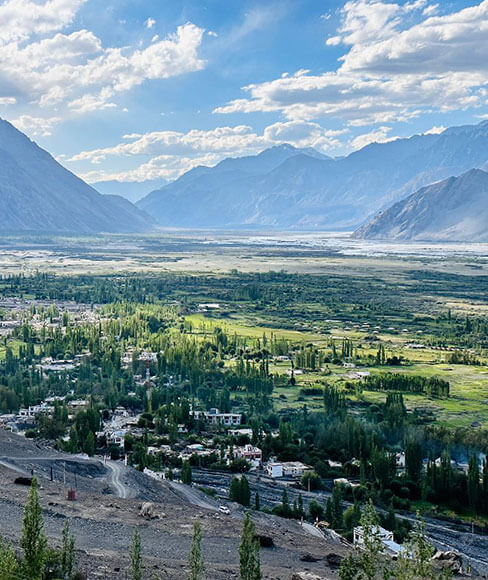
(449, 559)
(334, 560)
(306, 576)
(147, 511)
(309, 558)
(264, 541)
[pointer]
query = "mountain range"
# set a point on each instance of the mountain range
(39, 194)
(450, 210)
(403, 189)
(131, 190)
(285, 187)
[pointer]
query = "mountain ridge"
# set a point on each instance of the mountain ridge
(38, 194)
(296, 190)
(454, 209)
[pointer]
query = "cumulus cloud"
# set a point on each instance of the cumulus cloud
(171, 153)
(379, 135)
(74, 73)
(436, 130)
(36, 126)
(399, 61)
(150, 22)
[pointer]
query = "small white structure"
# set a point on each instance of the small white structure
(250, 453)
(295, 469)
(274, 470)
(385, 536)
(214, 417)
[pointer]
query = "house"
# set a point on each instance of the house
(385, 536)
(274, 470)
(116, 437)
(239, 432)
(286, 469)
(344, 482)
(295, 469)
(34, 410)
(214, 417)
(250, 453)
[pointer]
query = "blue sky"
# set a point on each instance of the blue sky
(147, 89)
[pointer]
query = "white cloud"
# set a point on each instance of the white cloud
(333, 40)
(399, 61)
(303, 134)
(380, 135)
(436, 130)
(35, 125)
(430, 10)
(150, 22)
(171, 153)
(74, 73)
(20, 19)
(8, 100)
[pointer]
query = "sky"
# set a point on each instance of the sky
(137, 90)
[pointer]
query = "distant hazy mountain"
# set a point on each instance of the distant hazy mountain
(285, 187)
(455, 209)
(38, 194)
(131, 190)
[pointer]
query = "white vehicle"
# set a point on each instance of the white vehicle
(224, 510)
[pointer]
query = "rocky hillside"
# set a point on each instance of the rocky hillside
(455, 209)
(285, 187)
(39, 194)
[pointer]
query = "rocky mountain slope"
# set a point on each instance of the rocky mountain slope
(285, 187)
(39, 194)
(455, 209)
(103, 522)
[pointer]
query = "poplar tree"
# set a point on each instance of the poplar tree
(196, 557)
(33, 541)
(249, 561)
(135, 556)
(9, 565)
(67, 552)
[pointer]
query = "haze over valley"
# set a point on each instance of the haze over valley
(243, 290)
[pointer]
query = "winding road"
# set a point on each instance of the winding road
(122, 490)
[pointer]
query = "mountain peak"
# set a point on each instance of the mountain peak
(38, 194)
(454, 209)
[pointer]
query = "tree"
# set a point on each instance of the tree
(413, 460)
(371, 558)
(473, 482)
(33, 541)
(249, 561)
(239, 491)
(186, 473)
(337, 521)
(245, 492)
(89, 444)
(311, 481)
(369, 563)
(196, 557)
(9, 565)
(285, 504)
(135, 556)
(315, 510)
(415, 561)
(235, 490)
(257, 502)
(67, 552)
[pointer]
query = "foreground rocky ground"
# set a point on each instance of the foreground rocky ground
(103, 522)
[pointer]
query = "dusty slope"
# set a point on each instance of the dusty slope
(103, 525)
